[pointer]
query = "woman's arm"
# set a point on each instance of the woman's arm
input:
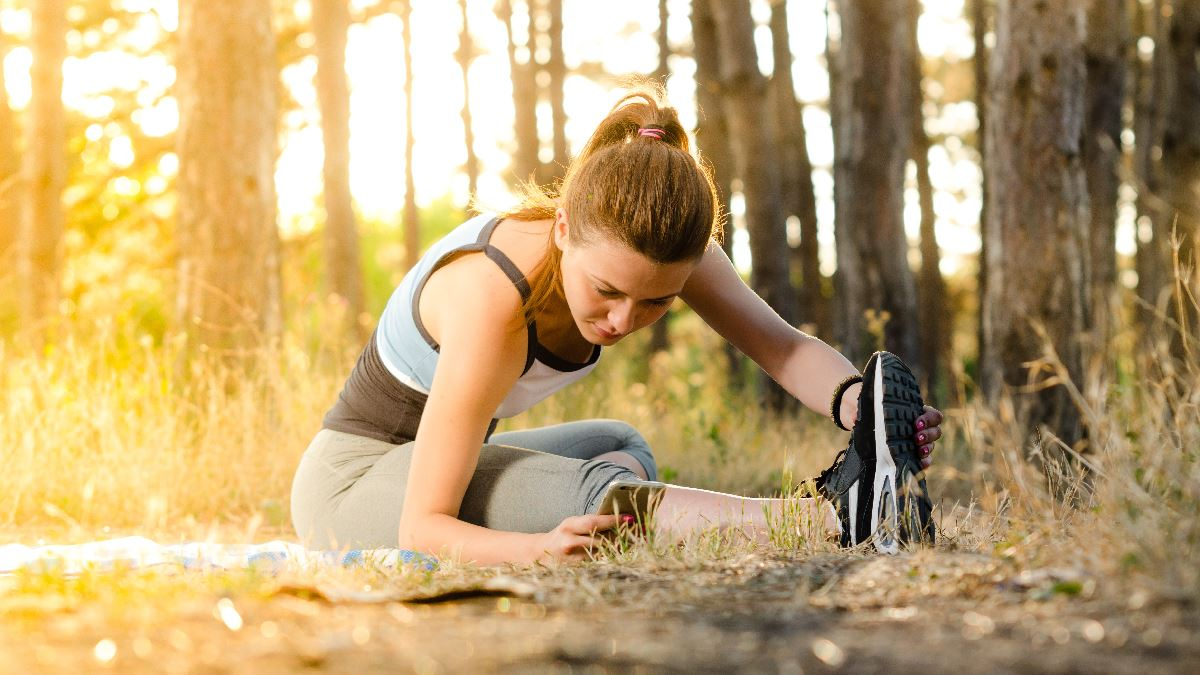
(805, 366)
(470, 307)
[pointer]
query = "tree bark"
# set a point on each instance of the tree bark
(10, 174)
(744, 93)
(1179, 168)
(712, 133)
(1106, 50)
(524, 83)
(872, 147)
(932, 310)
(1153, 251)
(556, 68)
(979, 25)
(229, 276)
(331, 21)
(1038, 220)
(412, 224)
(660, 339)
(45, 169)
(466, 54)
(796, 176)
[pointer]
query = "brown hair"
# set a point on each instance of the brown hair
(647, 191)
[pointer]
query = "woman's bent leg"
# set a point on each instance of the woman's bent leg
(585, 439)
(349, 490)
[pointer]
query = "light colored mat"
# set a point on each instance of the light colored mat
(140, 552)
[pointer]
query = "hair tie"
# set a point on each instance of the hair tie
(652, 132)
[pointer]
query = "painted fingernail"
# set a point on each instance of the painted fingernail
(920, 438)
(626, 518)
(920, 424)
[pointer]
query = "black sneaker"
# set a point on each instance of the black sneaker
(876, 483)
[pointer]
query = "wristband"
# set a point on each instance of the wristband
(835, 403)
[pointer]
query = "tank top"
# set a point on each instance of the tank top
(386, 392)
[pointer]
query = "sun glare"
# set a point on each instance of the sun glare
(617, 36)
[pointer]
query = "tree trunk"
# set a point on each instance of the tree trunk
(45, 169)
(10, 175)
(331, 20)
(466, 54)
(932, 312)
(744, 92)
(712, 133)
(872, 149)
(1106, 50)
(229, 277)
(979, 24)
(556, 68)
(1038, 219)
(523, 74)
(660, 339)
(796, 175)
(412, 224)
(1179, 168)
(1153, 251)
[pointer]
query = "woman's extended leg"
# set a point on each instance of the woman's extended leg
(684, 511)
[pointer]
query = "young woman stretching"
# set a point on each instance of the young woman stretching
(507, 309)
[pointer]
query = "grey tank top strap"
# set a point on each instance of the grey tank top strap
(505, 264)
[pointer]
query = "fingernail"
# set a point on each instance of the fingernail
(920, 424)
(626, 518)
(926, 449)
(920, 438)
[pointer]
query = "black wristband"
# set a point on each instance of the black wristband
(835, 403)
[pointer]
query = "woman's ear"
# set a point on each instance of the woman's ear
(562, 230)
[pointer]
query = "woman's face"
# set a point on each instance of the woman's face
(613, 290)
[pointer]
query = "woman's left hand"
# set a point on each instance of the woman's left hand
(929, 429)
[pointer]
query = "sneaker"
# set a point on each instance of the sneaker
(876, 484)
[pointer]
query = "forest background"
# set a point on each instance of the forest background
(205, 205)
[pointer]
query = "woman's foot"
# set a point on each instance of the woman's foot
(875, 484)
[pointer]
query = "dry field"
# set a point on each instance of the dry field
(1044, 565)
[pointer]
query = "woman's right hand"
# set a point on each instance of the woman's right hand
(574, 537)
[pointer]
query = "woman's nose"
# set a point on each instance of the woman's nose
(621, 317)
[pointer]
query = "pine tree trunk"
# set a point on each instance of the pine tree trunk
(523, 74)
(660, 339)
(872, 148)
(712, 134)
(10, 175)
(1107, 49)
(412, 224)
(229, 276)
(1153, 252)
(331, 21)
(1179, 168)
(979, 24)
(796, 175)
(45, 169)
(932, 311)
(1038, 221)
(466, 54)
(744, 91)
(556, 68)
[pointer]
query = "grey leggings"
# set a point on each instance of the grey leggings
(349, 490)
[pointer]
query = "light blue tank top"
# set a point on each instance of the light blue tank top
(410, 354)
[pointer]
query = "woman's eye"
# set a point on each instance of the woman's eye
(607, 293)
(662, 302)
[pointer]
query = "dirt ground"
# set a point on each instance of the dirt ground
(928, 611)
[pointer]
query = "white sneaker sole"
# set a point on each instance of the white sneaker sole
(884, 521)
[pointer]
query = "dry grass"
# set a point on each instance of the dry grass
(108, 433)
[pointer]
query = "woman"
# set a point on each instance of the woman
(506, 310)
